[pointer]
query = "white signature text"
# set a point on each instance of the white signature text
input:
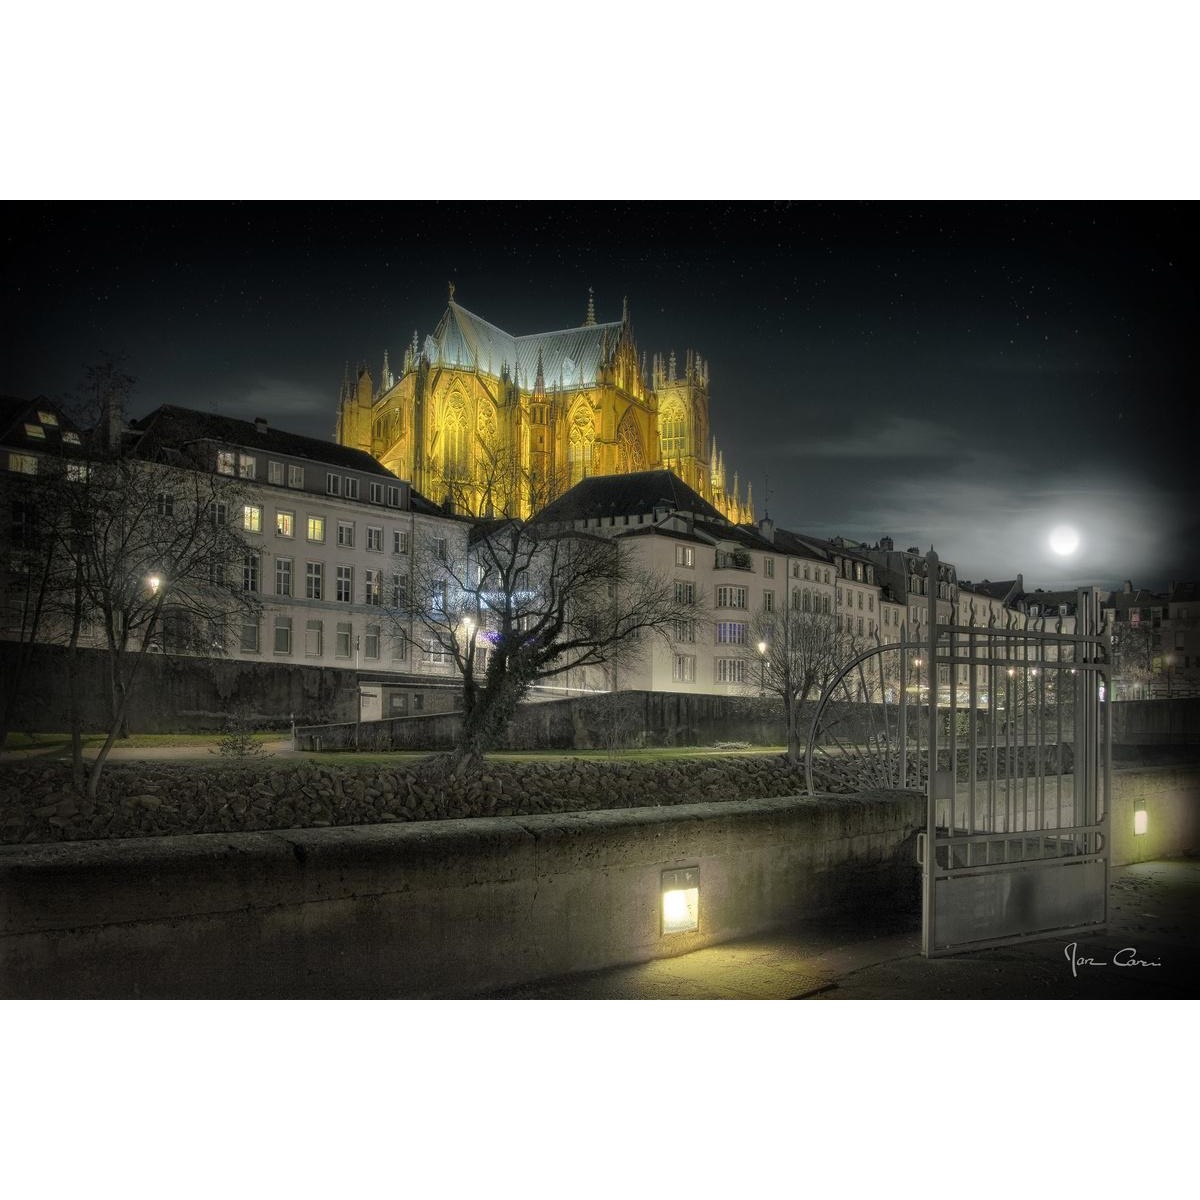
(1126, 957)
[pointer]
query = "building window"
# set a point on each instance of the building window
(34, 431)
(435, 653)
(345, 632)
(345, 533)
(252, 518)
(226, 462)
(769, 568)
(399, 646)
(314, 579)
(371, 642)
(283, 577)
(351, 492)
(806, 571)
(399, 541)
(377, 493)
(399, 591)
(247, 466)
(439, 548)
(345, 585)
(393, 497)
(285, 524)
(275, 473)
(685, 593)
(768, 601)
(283, 635)
(374, 588)
(860, 629)
(685, 631)
(316, 529)
(731, 633)
(248, 637)
(807, 600)
(47, 418)
(333, 484)
(731, 597)
(250, 573)
(438, 598)
(164, 504)
(314, 638)
(295, 476)
(685, 556)
(70, 437)
(731, 670)
(684, 668)
(375, 537)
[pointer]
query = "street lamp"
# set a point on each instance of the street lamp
(762, 668)
(154, 582)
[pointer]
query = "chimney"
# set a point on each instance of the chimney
(260, 425)
(1127, 586)
(111, 424)
(886, 543)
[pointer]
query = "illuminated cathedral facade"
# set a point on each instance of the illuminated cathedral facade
(500, 425)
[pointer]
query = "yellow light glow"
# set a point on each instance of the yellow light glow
(154, 582)
(1140, 822)
(681, 910)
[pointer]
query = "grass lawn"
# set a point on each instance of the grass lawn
(651, 755)
(48, 742)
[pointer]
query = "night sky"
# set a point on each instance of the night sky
(962, 374)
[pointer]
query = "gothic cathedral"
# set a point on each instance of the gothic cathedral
(501, 425)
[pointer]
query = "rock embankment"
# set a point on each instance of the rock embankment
(37, 803)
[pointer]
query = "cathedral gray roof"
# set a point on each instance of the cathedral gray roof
(569, 357)
(628, 495)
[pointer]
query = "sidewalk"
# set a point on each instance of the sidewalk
(1153, 908)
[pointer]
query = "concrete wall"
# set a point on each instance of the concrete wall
(442, 908)
(1173, 722)
(1171, 798)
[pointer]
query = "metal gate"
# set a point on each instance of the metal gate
(1020, 759)
(1007, 727)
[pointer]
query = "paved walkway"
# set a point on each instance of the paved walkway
(1154, 908)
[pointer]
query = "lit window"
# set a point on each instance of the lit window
(374, 588)
(226, 462)
(47, 418)
(34, 431)
(685, 556)
(252, 518)
(71, 437)
(247, 466)
(79, 472)
(23, 464)
(285, 524)
(316, 529)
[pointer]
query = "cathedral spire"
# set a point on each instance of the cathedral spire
(450, 285)
(624, 310)
(590, 319)
(385, 377)
(539, 384)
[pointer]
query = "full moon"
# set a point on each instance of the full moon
(1064, 540)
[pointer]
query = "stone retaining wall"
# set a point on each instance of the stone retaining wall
(448, 908)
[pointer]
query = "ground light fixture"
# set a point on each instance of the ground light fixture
(1140, 821)
(681, 900)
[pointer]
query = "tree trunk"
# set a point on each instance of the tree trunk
(793, 729)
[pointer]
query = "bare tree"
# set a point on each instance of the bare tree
(524, 603)
(794, 655)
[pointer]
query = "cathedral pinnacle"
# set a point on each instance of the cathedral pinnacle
(451, 286)
(590, 319)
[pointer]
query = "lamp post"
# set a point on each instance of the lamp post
(762, 668)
